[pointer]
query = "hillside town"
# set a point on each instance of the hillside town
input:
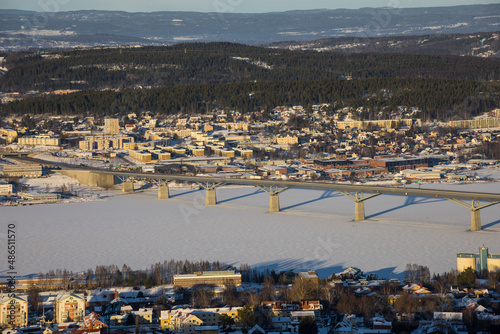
(316, 143)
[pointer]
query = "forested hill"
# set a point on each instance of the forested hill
(379, 97)
(481, 44)
(219, 63)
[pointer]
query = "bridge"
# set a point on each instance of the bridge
(473, 201)
(357, 193)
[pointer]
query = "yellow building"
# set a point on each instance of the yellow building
(227, 153)
(69, 307)
(385, 123)
(85, 145)
(105, 142)
(245, 154)
(198, 152)
(160, 155)
(6, 188)
(140, 155)
(287, 139)
(219, 278)
(179, 150)
(13, 311)
(9, 135)
(41, 140)
(145, 315)
(130, 146)
(185, 320)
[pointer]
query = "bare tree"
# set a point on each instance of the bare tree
(202, 295)
(230, 295)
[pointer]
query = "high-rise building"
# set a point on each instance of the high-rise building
(111, 126)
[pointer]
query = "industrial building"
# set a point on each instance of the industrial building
(479, 262)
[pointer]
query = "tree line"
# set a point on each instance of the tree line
(211, 63)
(441, 99)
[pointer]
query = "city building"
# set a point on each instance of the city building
(29, 170)
(141, 156)
(287, 139)
(41, 140)
(5, 188)
(69, 307)
(8, 136)
(39, 196)
(309, 276)
(482, 261)
(144, 315)
(13, 311)
(399, 163)
(184, 320)
(219, 278)
(111, 126)
(105, 142)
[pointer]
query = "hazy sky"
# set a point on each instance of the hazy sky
(236, 6)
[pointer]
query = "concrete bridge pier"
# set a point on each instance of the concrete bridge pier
(359, 203)
(475, 220)
(274, 200)
(210, 190)
(475, 214)
(359, 211)
(163, 190)
(127, 186)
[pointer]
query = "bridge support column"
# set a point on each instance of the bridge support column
(274, 203)
(163, 191)
(274, 200)
(475, 214)
(359, 211)
(359, 203)
(127, 186)
(210, 189)
(211, 197)
(475, 220)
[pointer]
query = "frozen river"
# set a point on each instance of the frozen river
(315, 230)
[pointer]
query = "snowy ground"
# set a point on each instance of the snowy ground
(315, 230)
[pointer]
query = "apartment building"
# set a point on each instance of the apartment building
(111, 126)
(13, 311)
(69, 307)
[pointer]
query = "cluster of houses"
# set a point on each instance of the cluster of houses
(164, 308)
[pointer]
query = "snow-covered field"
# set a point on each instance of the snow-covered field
(315, 230)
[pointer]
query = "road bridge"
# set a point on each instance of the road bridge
(473, 201)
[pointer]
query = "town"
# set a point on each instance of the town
(207, 298)
(316, 143)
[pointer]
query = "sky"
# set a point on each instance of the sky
(235, 6)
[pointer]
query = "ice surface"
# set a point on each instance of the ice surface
(315, 230)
